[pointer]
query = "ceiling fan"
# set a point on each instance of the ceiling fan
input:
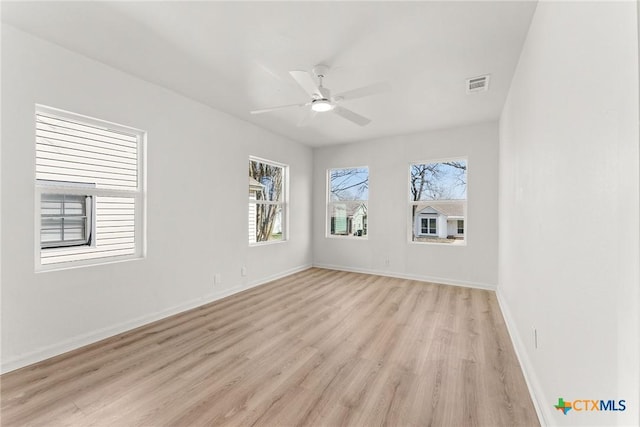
(321, 99)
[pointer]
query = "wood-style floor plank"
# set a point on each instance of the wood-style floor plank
(317, 348)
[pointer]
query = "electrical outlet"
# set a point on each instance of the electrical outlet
(217, 279)
(243, 271)
(535, 338)
(386, 262)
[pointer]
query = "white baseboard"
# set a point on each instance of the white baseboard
(431, 279)
(76, 342)
(540, 401)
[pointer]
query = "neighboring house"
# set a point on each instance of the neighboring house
(349, 220)
(359, 220)
(440, 219)
(254, 188)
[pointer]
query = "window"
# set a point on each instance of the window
(89, 190)
(348, 194)
(428, 226)
(66, 220)
(267, 201)
(438, 201)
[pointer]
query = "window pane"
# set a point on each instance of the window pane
(438, 181)
(74, 205)
(64, 220)
(51, 204)
(74, 228)
(267, 184)
(348, 219)
(51, 230)
(266, 181)
(265, 223)
(348, 184)
(438, 201)
(437, 222)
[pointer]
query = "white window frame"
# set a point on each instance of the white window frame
(411, 220)
(283, 202)
(330, 205)
(53, 187)
(430, 230)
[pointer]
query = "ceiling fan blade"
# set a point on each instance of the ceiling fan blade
(351, 116)
(364, 91)
(305, 81)
(280, 107)
(307, 118)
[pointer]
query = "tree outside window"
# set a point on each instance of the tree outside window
(348, 196)
(267, 183)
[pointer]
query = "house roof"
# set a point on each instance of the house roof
(448, 208)
(351, 207)
(254, 185)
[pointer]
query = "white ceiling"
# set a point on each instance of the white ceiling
(235, 56)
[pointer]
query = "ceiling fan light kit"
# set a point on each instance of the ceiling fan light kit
(321, 99)
(321, 105)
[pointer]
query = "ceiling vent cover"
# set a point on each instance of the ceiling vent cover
(478, 84)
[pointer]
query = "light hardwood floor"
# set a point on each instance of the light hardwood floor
(318, 348)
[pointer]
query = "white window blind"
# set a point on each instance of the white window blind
(78, 157)
(74, 152)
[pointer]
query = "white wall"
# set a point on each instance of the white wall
(197, 164)
(569, 190)
(388, 160)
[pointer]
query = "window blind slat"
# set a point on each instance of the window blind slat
(114, 234)
(49, 132)
(85, 161)
(113, 224)
(68, 257)
(99, 182)
(98, 141)
(62, 252)
(49, 168)
(44, 150)
(82, 146)
(83, 166)
(67, 124)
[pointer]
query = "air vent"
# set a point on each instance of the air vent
(478, 84)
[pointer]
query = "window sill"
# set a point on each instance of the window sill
(338, 237)
(268, 242)
(452, 244)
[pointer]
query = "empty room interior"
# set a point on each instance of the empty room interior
(418, 213)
